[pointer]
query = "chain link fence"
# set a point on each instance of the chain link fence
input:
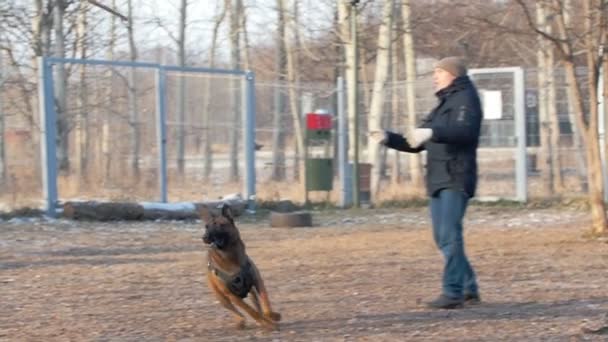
(108, 137)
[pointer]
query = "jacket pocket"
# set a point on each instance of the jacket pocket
(437, 172)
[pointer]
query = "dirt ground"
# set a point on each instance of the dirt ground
(355, 276)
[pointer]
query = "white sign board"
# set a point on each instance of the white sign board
(491, 101)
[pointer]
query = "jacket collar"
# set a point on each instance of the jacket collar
(458, 84)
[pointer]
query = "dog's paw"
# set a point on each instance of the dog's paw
(275, 316)
(271, 326)
(240, 324)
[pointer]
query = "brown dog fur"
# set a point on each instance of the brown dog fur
(228, 256)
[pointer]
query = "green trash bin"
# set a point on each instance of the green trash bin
(319, 174)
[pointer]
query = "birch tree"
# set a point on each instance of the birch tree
(415, 163)
(60, 87)
(2, 122)
(132, 94)
(207, 151)
(235, 63)
(82, 123)
(278, 135)
(106, 134)
(181, 90)
(292, 81)
(379, 90)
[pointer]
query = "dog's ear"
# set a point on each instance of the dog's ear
(227, 212)
(204, 213)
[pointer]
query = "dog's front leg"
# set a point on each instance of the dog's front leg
(264, 321)
(225, 302)
(264, 299)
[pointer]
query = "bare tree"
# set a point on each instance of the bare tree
(545, 155)
(291, 45)
(132, 95)
(181, 91)
(60, 87)
(344, 12)
(278, 136)
(235, 63)
(567, 41)
(395, 113)
(106, 134)
(415, 163)
(82, 124)
(207, 151)
(2, 122)
(577, 140)
(244, 34)
(379, 90)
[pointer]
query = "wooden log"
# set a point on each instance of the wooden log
(102, 211)
(113, 211)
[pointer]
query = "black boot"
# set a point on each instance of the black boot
(472, 298)
(445, 302)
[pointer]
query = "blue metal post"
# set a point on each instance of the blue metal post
(249, 127)
(161, 131)
(48, 135)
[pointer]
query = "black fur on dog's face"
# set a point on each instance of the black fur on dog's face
(216, 236)
(220, 231)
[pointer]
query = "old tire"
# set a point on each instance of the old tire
(294, 219)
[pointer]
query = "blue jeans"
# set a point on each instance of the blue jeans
(447, 211)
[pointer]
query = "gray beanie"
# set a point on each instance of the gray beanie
(454, 65)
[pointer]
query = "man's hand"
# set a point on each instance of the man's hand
(379, 137)
(419, 136)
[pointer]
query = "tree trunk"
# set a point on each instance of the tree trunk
(244, 35)
(293, 98)
(592, 151)
(577, 140)
(207, 149)
(278, 136)
(235, 63)
(379, 90)
(132, 97)
(82, 124)
(545, 153)
(181, 90)
(605, 104)
(2, 142)
(396, 163)
(60, 89)
(415, 162)
(106, 134)
(558, 182)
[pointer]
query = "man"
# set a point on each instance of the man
(450, 135)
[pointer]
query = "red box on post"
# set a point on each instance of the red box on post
(315, 121)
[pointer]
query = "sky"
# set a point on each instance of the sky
(262, 17)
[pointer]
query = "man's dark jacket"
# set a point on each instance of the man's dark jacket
(452, 150)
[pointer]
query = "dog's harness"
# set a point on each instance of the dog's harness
(239, 283)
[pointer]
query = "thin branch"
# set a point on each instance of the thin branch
(533, 26)
(109, 10)
(560, 42)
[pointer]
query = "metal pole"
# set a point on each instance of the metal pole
(161, 131)
(354, 102)
(521, 173)
(249, 115)
(48, 134)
